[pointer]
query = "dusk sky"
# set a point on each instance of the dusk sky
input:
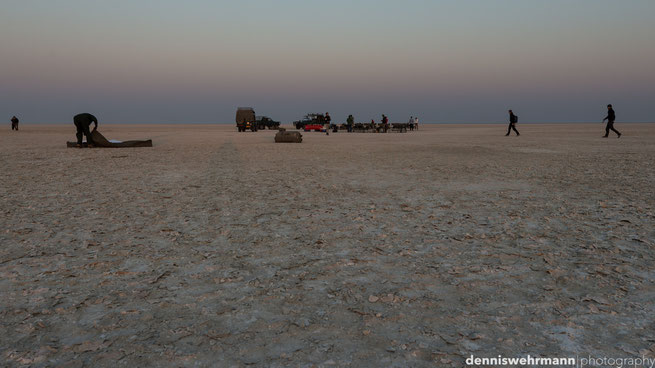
(460, 61)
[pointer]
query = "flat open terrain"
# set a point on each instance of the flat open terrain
(221, 248)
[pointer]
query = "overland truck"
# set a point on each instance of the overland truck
(246, 119)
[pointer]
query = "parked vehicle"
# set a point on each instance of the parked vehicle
(245, 119)
(311, 121)
(264, 122)
(314, 128)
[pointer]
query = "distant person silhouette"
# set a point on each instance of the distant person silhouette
(611, 116)
(14, 123)
(82, 123)
(328, 121)
(513, 119)
(350, 122)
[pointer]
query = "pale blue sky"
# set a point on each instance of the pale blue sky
(445, 61)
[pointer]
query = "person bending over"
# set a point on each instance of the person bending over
(82, 123)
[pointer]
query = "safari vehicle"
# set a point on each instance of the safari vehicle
(245, 119)
(311, 122)
(264, 122)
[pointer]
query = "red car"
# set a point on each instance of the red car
(314, 127)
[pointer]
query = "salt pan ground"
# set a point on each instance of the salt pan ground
(218, 248)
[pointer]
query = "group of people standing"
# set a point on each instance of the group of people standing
(611, 117)
(384, 123)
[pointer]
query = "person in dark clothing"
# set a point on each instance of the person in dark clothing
(513, 119)
(82, 123)
(611, 116)
(385, 123)
(14, 123)
(328, 120)
(350, 122)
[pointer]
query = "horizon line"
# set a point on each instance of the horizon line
(282, 124)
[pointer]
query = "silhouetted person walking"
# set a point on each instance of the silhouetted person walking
(611, 116)
(14, 123)
(513, 119)
(82, 123)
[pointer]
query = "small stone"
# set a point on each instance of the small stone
(475, 336)
(302, 322)
(373, 298)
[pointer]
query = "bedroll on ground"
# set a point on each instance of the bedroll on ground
(99, 140)
(288, 137)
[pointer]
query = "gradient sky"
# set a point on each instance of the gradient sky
(445, 61)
